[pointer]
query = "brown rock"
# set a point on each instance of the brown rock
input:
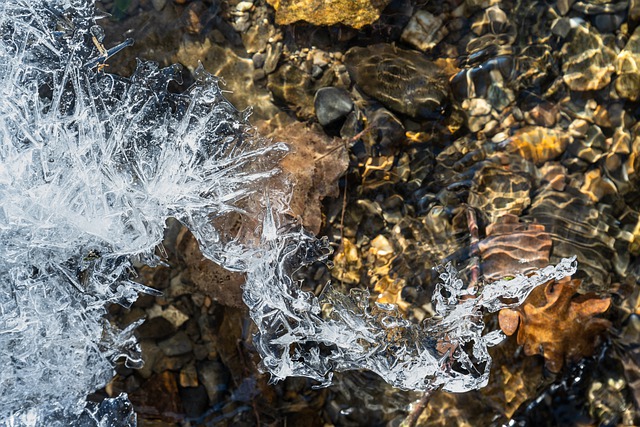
(192, 17)
(209, 278)
(293, 86)
(171, 363)
(513, 247)
(628, 68)
(424, 30)
(174, 316)
(158, 397)
(589, 63)
(273, 54)
(236, 73)
(538, 144)
(498, 191)
(176, 345)
(150, 353)
(402, 80)
(189, 376)
(572, 219)
(354, 13)
(597, 186)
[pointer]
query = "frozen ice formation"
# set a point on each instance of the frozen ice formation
(92, 165)
(300, 335)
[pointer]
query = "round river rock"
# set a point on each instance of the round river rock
(404, 81)
(331, 105)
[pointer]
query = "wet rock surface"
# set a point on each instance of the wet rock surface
(588, 63)
(628, 60)
(424, 30)
(331, 105)
(355, 13)
(402, 80)
(500, 136)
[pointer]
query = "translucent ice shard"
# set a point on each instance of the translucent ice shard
(300, 335)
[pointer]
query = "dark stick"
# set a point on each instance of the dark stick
(419, 407)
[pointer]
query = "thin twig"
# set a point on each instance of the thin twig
(472, 224)
(344, 208)
(418, 409)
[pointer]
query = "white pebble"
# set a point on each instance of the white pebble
(244, 6)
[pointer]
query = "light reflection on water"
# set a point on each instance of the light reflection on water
(521, 108)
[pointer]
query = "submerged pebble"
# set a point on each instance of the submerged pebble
(540, 160)
(402, 80)
(331, 105)
(424, 31)
(628, 68)
(588, 62)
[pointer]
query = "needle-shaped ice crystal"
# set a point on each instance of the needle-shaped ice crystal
(91, 166)
(297, 338)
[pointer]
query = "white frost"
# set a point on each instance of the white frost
(91, 166)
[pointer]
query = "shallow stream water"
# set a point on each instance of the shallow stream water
(500, 136)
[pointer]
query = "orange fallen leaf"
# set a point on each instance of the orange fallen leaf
(557, 323)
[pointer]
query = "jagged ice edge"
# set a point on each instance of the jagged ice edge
(298, 338)
(91, 166)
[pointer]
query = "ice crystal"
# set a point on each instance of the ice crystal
(92, 165)
(300, 335)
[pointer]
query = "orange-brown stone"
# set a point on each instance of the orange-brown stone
(354, 13)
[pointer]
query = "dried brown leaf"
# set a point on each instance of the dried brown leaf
(557, 323)
(314, 165)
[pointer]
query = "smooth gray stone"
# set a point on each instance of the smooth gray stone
(331, 105)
